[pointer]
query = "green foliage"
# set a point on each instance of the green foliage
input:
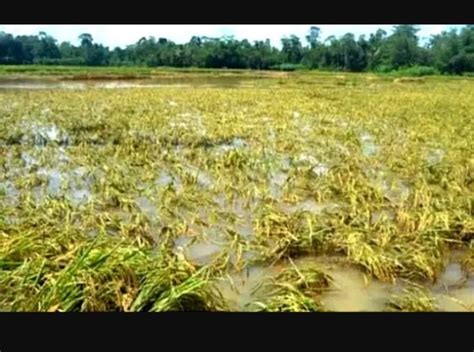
(448, 52)
(417, 71)
(287, 67)
(383, 69)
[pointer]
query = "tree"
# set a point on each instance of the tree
(48, 48)
(402, 46)
(463, 62)
(313, 37)
(354, 58)
(374, 49)
(262, 55)
(86, 39)
(11, 49)
(292, 49)
(450, 51)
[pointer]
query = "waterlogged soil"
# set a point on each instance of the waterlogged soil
(351, 290)
(241, 288)
(186, 82)
(245, 175)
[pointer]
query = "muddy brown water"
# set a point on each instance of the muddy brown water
(240, 289)
(351, 289)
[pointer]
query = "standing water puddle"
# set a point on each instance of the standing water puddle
(9, 192)
(165, 179)
(186, 82)
(54, 178)
(317, 168)
(435, 156)
(241, 288)
(40, 134)
(352, 294)
(369, 148)
(74, 185)
(393, 188)
(352, 290)
(277, 181)
(234, 144)
(197, 252)
(454, 289)
(147, 207)
(309, 205)
(203, 179)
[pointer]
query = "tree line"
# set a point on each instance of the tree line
(448, 52)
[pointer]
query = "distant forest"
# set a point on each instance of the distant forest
(449, 52)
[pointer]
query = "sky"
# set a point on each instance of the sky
(123, 35)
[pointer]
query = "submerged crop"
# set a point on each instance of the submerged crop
(208, 198)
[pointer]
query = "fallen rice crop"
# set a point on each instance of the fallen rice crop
(148, 198)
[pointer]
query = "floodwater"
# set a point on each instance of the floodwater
(185, 82)
(369, 148)
(241, 288)
(198, 252)
(351, 290)
(147, 207)
(308, 205)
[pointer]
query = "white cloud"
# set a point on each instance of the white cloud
(122, 35)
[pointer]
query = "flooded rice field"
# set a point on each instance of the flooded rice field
(215, 195)
(165, 82)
